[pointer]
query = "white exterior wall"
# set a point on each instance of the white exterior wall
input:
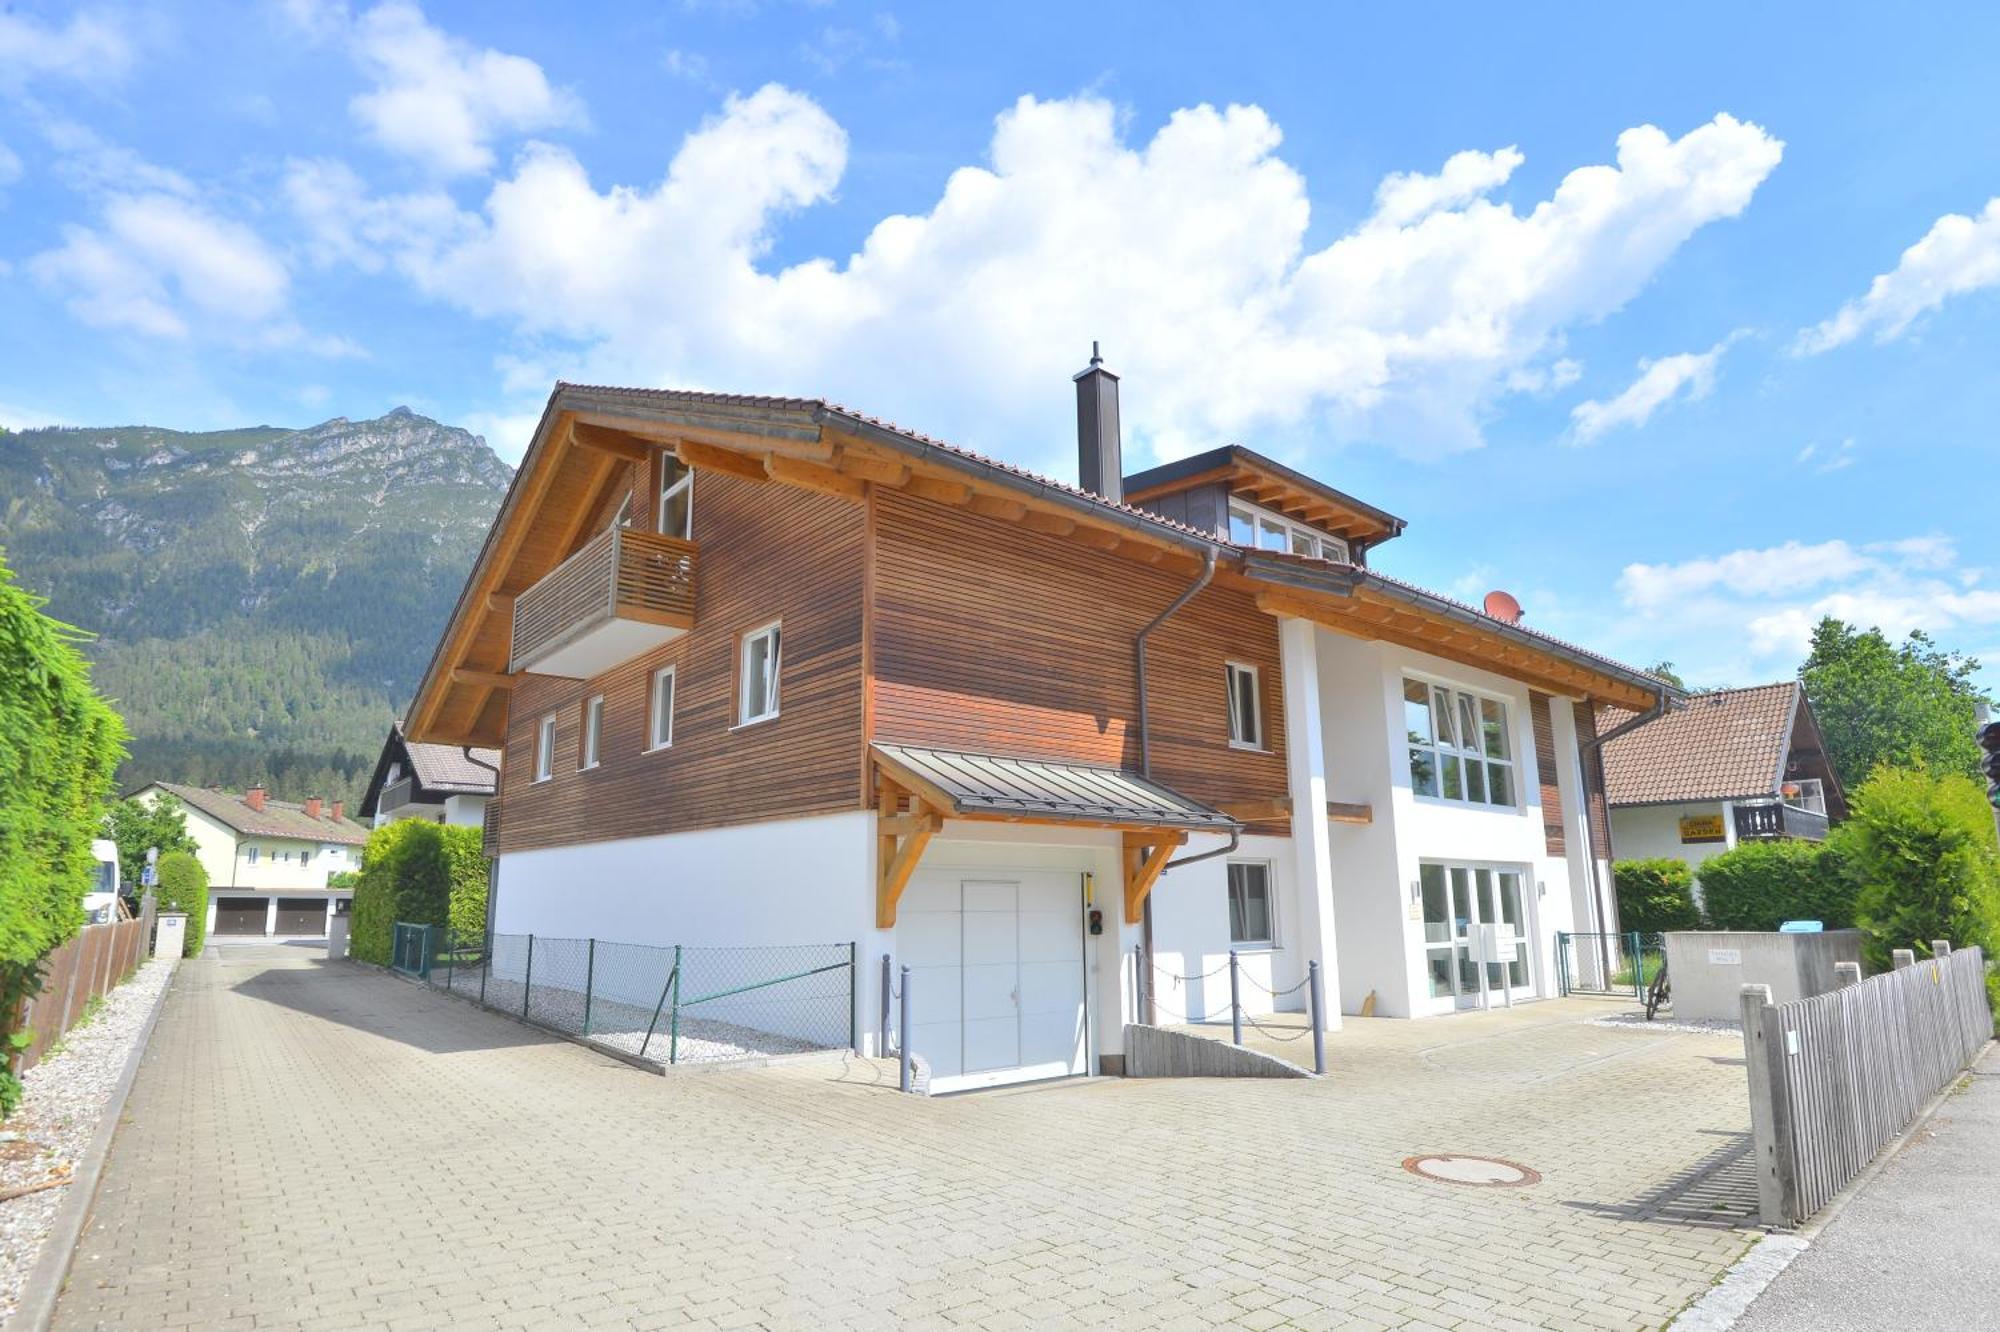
(465, 811)
(1646, 832)
(1191, 935)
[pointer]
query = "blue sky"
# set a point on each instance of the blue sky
(1677, 324)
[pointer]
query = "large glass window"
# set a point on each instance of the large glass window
(1270, 531)
(757, 696)
(676, 498)
(1459, 744)
(1250, 905)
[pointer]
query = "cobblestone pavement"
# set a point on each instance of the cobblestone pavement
(315, 1145)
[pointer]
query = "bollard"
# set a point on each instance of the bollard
(528, 977)
(888, 985)
(1318, 997)
(1139, 984)
(1846, 974)
(1904, 957)
(1235, 1004)
(903, 1034)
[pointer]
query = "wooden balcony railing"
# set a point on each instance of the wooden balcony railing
(621, 574)
(1774, 821)
(396, 794)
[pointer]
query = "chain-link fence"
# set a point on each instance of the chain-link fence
(671, 1004)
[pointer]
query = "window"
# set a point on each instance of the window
(1250, 526)
(676, 516)
(1250, 905)
(660, 714)
(1246, 706)
(545, 749)
(1459, 745)
(250, 853)
(1807, 793)
(757, 677)
(593, 728)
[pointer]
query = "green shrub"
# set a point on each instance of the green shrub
(1655, 895)
(419, 873)
(1923, 852)
(1761, 885)
(184, 887)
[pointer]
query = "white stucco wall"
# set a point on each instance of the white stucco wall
(1191, 935)
(1644, 832)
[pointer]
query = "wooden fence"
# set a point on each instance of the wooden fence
(1835, 1077)
(99, 958)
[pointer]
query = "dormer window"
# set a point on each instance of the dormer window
(1264, 530)
(676, 508)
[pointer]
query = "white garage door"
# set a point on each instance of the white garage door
(996, 971)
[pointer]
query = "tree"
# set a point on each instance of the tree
(184, 887)
(135, 826)
(1921, 847)
(1908, 706)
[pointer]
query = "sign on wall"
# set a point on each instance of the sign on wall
(1702, 828)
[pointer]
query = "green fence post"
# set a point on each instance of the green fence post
(1562, 964)
(528, 977)
(674, 1022)
(450, 959)
(1638, 967)
(589, 982)
(853, 999)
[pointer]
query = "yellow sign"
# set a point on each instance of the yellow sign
(1702, 828)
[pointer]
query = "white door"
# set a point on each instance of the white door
(996, 974)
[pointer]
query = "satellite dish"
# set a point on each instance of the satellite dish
(1502, 606)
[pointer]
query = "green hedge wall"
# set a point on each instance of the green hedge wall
(1655, 895)
(1761, 885)
(1921, 848)
(420, 873)
(184, 887)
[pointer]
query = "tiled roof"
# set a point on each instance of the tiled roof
(1728, 745)
(454, 769)
(984, 784)
(279, 818)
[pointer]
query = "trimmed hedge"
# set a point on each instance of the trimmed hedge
(1655, 895)
(184, 887)
(420, 873)
(1924, 855)
(1761, 885)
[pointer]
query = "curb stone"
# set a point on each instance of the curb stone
(37, 1307)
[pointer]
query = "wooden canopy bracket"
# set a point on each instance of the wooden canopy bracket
(1146, 856)
(900, 839)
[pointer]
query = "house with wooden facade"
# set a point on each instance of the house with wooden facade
(771, 671)
(1732, 766)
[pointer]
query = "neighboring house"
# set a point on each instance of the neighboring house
(441, 783)
(766, 671)
(267, 860)
(1733, 766)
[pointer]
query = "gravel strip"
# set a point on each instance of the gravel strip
(1637, 1022)
(57, 1117)
(624, 1026)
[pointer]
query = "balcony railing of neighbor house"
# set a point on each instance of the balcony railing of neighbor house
(622, 578)
(397, 794)
(1772, 821)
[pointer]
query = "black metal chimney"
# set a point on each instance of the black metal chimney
(1099, 451)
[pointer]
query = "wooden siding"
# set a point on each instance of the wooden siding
(1545, 772)
(992, 638)
(1598, 811)
(768, 552)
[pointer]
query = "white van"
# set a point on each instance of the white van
(100, 904)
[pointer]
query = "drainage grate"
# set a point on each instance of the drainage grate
(1487, 1172)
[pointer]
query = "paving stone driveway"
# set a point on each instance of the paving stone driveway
(316, 1145)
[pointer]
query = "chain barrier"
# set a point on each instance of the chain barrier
(1278, 994)
(1273, 1032)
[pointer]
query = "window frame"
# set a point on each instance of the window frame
(1273, 942)
(545, 749)
(662, 493)
(774, 629)
(1290, 528)
(1445, 697)
(250, 854)
(1230, 671)
(590, 738)
(655, 713)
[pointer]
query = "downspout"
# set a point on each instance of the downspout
(1145, 732)
(1595, 743)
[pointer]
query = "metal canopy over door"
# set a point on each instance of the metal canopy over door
(240, 915)
(997, 974)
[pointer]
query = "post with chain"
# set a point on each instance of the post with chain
(903, 1034)
(589, 981)
(888, 988)
(1318, 996)
(485, 966)
(1235, 1004)
(528, 977)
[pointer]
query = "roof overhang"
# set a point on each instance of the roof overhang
(1271, 484)
(987, 786)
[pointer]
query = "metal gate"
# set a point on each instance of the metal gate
(1617, 964)
(410, 949)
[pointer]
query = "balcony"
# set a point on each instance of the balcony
(1771, 821)
(396, 794)
(625, 592)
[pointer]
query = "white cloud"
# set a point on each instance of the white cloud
(10, 166)
(1184, 253)
(1689, 376)
(1748, 615)
(1959, 254)
(90, 48)
(1836, 459)
(443, 101)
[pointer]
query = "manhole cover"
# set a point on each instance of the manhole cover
(1484, 1171)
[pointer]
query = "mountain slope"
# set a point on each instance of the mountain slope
(264, 599)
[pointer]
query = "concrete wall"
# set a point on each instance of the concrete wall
(1153, 1053)
(1709, 968)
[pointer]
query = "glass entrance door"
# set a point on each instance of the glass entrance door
(1476, 935)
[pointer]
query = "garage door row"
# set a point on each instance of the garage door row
(252, 915)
